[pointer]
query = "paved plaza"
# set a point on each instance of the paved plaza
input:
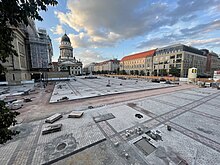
(109, 134)
(85, 88)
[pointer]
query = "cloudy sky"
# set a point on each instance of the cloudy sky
(106, 29)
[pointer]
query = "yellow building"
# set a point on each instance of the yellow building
(138, 63)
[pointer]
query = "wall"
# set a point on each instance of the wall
(57, 74)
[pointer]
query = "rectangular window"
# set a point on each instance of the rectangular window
(178, 66)
(21, 48)
(178, 61)
(179, 56)
(23, 62)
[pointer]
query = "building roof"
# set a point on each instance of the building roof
(65, 38)
(139, 55)
(178, 47)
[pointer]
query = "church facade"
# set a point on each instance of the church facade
(67, 62)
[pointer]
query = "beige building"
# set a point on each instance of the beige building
(89, 68)
(109, 66)
(17, 66)
(141, 62)
(179, 56)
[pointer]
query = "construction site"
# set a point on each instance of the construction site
(113, 120)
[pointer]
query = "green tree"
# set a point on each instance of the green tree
(163, 72)
(132, 72)
(7, 118)
(13, 14)
(174, 72)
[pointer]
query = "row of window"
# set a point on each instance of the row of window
(167, 51)
(134, 66)
(134, 62)
(63, 67)
(166, 66)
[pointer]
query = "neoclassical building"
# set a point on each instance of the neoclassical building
(66, 61)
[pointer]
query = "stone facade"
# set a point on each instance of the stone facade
(66, 61)
(109, 66)
(17, 66)
(34, 50)
(140, 61)
(181, 57)
(89, 68)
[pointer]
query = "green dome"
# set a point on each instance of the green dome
(65, 38)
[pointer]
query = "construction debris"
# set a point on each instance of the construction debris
(75, 114)
(51, 129)
(53, 118)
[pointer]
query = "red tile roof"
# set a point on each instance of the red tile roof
(139, 55)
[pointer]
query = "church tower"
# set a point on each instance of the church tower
(66, 50)
(67, 62)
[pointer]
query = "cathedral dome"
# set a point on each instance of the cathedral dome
(65, 38)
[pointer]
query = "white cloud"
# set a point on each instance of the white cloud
(89, 56)
(57, 40)
(57, 30)
(204, 41)
(104, 22)
(101, 23)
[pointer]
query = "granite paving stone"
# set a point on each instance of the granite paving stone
(200, 124)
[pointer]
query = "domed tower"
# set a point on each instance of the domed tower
(66, 61)
(66, 50)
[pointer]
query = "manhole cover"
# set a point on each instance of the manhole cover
(139, 116)
(61, 146)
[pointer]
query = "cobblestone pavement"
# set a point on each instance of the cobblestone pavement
(193, 115)
(40, 108)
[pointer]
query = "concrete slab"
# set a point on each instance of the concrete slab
(53, 118)
(51, 129)
(75, 114)
(125, 117)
